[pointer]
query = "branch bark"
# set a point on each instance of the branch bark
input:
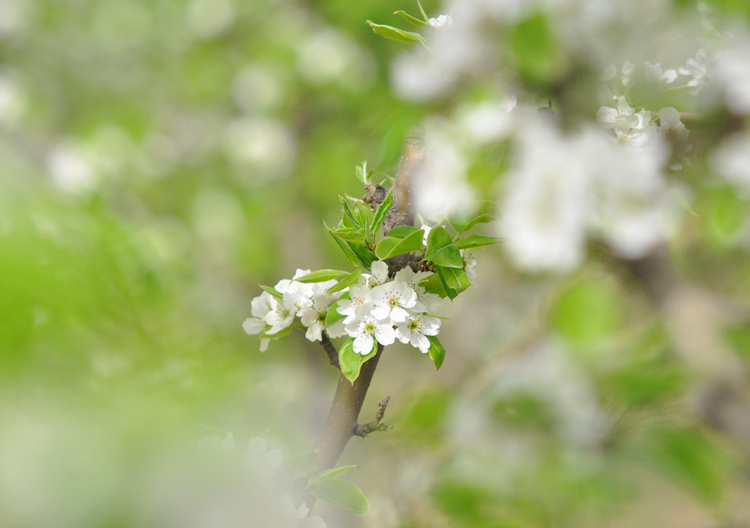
(345, 409)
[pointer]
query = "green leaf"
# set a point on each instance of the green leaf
(454, 280)
(348, 213)
(588, 311)
(383, 208)
(348, 251)
(462, 227)
(351, 234)
(351, 362)
(343, 495)
(345, 282)
(273, 291)
(412, 20)
(433, 284)
(303, 464)
(536, 55)
(392, 246)
(322, 276)
(361, 172)
(473, 241)
(364, 255)
(436, 351)
(399, 35)
(403, 231)
(441, 250)
(330, 474)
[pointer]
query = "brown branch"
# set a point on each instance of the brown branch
(345, 409)
(333, 355)
(375, 425)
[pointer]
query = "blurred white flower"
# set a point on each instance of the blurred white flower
(441, 22)
(210, 18)
(654, 73)
(731, 159)
(70, 168)
(331, 56)
(265, 145)
(732, 72)
(545, 206)
(13, 101)
(489, 121)
(217, 445)
(14, 16)
(441, 186)
(698, 69)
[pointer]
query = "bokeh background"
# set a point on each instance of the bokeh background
(161, 159)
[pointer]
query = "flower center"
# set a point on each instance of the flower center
(394, 301)
(414, 324)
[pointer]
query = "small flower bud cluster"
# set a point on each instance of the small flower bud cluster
(383, 311)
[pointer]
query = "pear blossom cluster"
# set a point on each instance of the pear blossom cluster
(379, 310)
(376, 309)
(308, 302)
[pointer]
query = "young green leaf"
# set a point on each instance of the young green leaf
(364, 255)
(330, 474)
(403, 231)
(399, 35)
(322, 276)
(345, 282)
(454, 280)
(361, 172)
(436, 351)
(348, 251)
(273, 291)
(474, 241)
(351, 234)
(391, 246)
(441, 250)
(412, 20)
(383, 208)
(348, 213)
(343, 495)
(351, 362)
(462, 227)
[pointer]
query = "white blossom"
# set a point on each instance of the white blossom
(441, 22)
(260, 306)
(365, 329)
(731, 159)
(697, 69)
(732, 71)
(392, 300)
(415, 329)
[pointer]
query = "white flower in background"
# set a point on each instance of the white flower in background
(365, 329)
(264, 462)
(441, 186)
(259, 308)
(441, 22)
(674, 131)
(392, 300)
(415, 329)
(632, 211)
(70, 168)
(732, 72)
(731, 160)
(630, 127)
(489, 121)
(698, 70)
(654, 73)
(545, 206)
(628, 71)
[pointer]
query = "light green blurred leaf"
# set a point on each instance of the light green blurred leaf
(396, 34)
(343, 495)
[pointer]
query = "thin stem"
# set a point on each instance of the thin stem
(333, 355)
